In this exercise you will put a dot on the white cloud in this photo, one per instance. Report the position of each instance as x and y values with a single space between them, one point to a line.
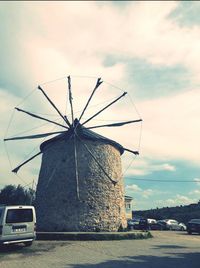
167 167
144 193
171 127
6 109
161 167
143 166
177 201
68 37
133 188
197 180
145 32
147 193
195 192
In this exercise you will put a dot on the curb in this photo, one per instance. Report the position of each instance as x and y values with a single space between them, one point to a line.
86 236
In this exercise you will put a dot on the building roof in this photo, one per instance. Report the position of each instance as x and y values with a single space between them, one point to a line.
85 134
127 197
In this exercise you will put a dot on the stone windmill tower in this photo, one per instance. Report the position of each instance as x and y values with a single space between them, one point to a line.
80 186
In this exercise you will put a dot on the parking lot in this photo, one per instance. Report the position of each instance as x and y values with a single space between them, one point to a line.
166 249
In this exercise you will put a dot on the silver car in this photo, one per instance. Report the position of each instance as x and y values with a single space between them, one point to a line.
170 224
17 225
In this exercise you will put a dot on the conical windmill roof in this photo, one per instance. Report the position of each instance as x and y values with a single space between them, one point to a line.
83 133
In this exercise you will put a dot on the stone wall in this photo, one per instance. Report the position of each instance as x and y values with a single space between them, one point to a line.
100 206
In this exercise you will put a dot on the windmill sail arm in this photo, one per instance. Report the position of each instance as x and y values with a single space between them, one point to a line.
105 108
131 151
99 82
100 166
15 170
37 136
117 124
41 118
67 121
54 106
70 98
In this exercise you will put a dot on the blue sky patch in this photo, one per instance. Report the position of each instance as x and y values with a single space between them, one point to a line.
187 13
159 190
151 81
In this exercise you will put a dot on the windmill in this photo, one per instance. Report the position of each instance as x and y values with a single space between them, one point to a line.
80 186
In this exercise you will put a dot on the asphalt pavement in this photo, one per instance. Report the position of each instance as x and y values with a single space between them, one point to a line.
167 249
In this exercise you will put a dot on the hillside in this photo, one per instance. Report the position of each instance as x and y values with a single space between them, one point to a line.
179 213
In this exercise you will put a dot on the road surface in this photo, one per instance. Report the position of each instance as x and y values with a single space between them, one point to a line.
167 249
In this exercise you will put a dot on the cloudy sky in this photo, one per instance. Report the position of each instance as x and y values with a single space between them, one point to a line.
149 49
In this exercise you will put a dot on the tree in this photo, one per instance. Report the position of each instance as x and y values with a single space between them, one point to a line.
16 195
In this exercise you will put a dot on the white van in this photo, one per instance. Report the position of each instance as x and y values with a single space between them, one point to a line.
17 225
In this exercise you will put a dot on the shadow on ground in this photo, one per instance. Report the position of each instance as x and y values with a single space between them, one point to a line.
35 249
175 260
186 234
168 246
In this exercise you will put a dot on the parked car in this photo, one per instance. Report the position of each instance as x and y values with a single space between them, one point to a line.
193 226
169 224
151 221
17 225
158 225
133 224
143 224
140 223
152 224
183 227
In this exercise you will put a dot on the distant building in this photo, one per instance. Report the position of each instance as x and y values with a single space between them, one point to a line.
128 206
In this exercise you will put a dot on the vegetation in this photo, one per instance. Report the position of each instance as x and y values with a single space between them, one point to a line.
16 195
85 236
179 213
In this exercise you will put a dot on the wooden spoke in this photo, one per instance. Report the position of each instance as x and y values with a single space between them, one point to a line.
15 170
37 136
41 118
70 99
99 82
104 108
117 124
131 151
54 106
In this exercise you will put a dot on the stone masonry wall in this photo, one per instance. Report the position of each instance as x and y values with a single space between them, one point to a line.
100 206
